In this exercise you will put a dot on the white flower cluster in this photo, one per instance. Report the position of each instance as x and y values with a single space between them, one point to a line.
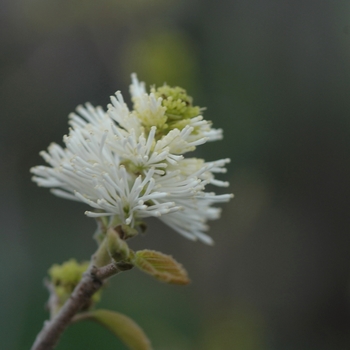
130 164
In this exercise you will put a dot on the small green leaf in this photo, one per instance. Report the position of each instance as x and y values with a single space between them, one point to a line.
123 327
160 266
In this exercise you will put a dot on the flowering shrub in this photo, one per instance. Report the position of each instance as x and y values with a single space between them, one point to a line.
127 165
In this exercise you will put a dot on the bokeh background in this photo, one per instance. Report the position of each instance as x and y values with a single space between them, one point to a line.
275 75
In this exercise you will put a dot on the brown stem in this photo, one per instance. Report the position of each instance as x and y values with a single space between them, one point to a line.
91 282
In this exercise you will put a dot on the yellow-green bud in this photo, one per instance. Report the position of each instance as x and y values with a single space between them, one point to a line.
177 102
65 277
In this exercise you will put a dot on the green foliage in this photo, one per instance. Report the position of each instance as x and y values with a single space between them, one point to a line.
161 266
123 327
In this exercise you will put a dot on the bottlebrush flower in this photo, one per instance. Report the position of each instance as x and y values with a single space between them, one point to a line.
130 164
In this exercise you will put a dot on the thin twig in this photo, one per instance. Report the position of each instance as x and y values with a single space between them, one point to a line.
90 283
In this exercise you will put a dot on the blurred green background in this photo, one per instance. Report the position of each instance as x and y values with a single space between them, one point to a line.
275 75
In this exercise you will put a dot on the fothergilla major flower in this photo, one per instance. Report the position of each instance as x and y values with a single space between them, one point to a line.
129 163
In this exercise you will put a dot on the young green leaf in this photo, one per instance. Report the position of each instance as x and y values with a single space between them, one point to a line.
161 266
123 327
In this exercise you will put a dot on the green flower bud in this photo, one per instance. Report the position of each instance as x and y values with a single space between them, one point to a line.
64 278
177 103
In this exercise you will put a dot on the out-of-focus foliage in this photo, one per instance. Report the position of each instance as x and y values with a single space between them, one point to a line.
236 328
162 55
